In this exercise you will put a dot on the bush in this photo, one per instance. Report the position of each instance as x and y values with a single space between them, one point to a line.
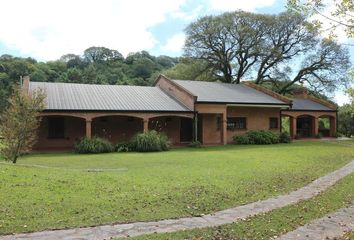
257 137
284 137
150 141
195 144
319 135
337 135
93 145
123 147
242 139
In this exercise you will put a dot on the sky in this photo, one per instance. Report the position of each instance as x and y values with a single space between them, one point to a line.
46 30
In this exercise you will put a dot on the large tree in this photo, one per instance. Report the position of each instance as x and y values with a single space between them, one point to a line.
283 50
339 13
19 123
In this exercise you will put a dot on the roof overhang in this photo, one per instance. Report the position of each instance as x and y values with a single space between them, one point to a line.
246 104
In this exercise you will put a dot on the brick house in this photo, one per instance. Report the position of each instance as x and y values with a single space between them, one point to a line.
185 110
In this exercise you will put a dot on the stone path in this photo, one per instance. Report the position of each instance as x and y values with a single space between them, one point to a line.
211 220
332 226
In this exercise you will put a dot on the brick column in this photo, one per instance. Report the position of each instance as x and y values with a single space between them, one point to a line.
224 129
88 128
146 124
315 126
293 127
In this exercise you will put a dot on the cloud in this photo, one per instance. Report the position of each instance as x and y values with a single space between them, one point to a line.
232 5
48 29
175 43
188 16
341 98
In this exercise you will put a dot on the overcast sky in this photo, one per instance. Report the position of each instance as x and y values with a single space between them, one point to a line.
48 29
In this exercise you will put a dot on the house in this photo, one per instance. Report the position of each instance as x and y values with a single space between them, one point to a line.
211 112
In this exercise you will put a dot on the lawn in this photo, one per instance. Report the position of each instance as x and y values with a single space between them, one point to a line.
277 222
54 191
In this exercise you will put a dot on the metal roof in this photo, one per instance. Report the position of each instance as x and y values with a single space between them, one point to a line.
70 96
307 104
227 93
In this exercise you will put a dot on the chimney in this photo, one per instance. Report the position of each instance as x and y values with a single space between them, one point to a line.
301 93
25 84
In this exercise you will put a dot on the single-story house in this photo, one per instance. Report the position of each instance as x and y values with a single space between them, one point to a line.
210 112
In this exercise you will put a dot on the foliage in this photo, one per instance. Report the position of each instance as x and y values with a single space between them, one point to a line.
284 137
337 135
267 48
346 120
195 144
98 65
123 147
242 139
93 145
143 187
190 69
257 137
19 123
341 16
150 141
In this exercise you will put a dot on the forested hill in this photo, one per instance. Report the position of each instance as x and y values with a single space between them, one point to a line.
97 65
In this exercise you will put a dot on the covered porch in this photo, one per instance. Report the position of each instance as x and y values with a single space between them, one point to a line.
309 124
61 130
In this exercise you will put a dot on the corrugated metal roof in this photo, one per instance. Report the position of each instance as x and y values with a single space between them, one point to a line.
70 96
226 93
306 104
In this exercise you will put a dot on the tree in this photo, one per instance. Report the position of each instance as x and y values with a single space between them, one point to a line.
101 54
19 123
342 15
282 50
190 69
346 120
230 43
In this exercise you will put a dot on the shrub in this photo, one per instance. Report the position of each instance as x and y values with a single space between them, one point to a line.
93 145
150 141
195 144
284 137
123 147
242 139
257 137
337 135
319 135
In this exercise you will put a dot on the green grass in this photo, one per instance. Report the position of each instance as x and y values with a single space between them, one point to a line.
151 186
277 222
348 236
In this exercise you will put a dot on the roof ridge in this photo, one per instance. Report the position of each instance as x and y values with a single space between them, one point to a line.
89 84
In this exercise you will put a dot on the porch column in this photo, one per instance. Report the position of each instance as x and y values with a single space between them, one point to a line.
315 126
293 127
146 124
88 128
224 129
333 126
195 127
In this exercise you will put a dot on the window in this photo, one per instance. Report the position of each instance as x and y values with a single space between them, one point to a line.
56 127
237 123
273 123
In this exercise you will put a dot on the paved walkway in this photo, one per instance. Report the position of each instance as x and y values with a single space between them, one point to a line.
332 226
211 220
